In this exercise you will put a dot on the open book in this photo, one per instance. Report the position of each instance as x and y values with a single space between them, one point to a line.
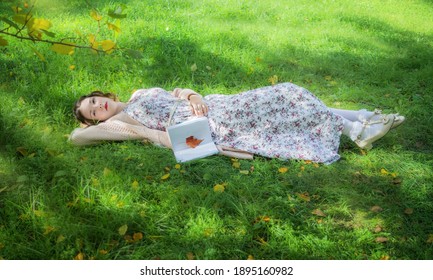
191 140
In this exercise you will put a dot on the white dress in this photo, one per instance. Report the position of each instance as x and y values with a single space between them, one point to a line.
282 121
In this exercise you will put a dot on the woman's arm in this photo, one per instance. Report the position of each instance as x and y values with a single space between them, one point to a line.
198 106
117 131
235 153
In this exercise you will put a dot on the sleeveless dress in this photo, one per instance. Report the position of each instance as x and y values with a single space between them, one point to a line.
282 121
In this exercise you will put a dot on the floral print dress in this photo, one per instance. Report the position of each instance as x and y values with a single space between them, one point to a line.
282 121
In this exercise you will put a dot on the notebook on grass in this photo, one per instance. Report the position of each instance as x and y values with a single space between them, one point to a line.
191 140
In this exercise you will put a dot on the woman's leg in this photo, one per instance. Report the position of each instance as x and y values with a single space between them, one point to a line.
365 133
353 116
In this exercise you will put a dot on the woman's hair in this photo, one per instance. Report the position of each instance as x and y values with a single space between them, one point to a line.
77 113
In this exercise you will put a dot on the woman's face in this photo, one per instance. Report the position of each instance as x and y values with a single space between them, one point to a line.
98 108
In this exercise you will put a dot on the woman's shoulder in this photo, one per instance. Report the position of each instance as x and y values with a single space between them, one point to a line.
147 91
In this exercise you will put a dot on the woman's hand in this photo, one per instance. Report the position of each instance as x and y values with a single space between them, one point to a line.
198 106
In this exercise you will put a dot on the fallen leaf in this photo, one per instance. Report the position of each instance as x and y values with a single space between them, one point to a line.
122 230
381 239
177 166
283 169
376 209
194 67
79 257
218 188
245 172
385 257
137 236
250 257
193 142
430 238
304 196
135 184
190 256
383 171
318 212
60 238
236 164
377 229
408 211
165 176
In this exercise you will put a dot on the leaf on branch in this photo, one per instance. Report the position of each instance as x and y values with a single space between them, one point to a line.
38 54
63 49
48 33
93 43
117 13
21 18
3 42
11 23
108 46
38 24
95 15
113 27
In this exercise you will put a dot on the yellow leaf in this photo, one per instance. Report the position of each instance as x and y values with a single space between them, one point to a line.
408 211
135 184
273 80
93 43
236 164
218 188
103 252
95 15
250 257
63 49
23 151
79 257
113 27
122 230
37 24
107 171
177 166
165 176
60 238
245 172
194 67
108 46
283 169
430 238
49 229
304 196
384 172
318 212
71 67
190 256
137 236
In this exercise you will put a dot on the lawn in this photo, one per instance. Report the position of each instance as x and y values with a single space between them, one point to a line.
131 200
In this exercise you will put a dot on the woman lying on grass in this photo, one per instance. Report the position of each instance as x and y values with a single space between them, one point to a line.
282 121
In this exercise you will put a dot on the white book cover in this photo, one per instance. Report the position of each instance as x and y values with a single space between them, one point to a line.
192 140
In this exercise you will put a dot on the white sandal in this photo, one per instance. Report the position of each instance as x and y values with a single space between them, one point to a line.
365 140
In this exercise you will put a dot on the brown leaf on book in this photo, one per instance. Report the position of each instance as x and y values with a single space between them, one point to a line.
193 142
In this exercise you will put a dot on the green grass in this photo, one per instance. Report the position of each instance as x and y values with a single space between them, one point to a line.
62 202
